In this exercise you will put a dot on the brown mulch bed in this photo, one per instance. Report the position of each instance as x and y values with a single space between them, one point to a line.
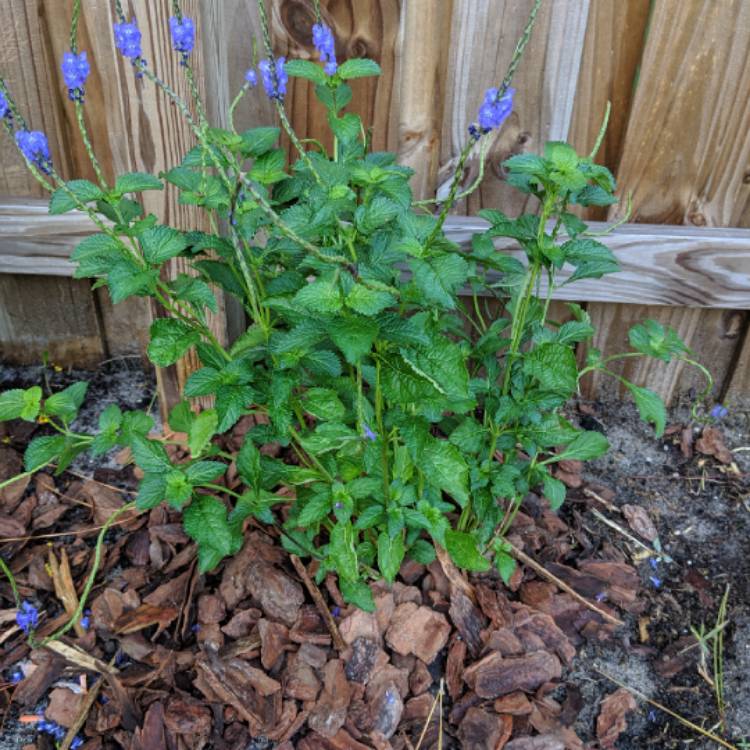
254 656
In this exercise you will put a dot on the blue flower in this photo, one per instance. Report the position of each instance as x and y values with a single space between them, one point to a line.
252 77
326 45
183 36
128 40
86 620
17 676
4 106
336 611
75 70
654 562
274 77
369 434
657 582
719 411
493 112
52 728
27 617
77 742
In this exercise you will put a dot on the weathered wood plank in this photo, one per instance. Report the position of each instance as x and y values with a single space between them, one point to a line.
50 315
683 161
661 265
483 38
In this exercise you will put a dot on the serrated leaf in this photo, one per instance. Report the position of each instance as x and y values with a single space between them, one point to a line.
358 67
506 566
322 295
341 549
136 182
315 509
422 551
323 404
202 429
653 339
269 167
650 407
42 451
201 472
177 488
162 243
257 141
150 455
585 446
66 199
554 491
368 301
439 278
206 522
554 366
445 468
248 463
170 339
357 593
464 551
306 69
66 403
20 403
151 491
390 555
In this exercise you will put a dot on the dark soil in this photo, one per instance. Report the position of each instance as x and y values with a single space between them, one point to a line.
699 504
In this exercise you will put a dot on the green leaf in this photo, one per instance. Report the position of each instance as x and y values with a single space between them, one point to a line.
343 553
358 67
43 450
181 417
554 491
322 295
195 291
506 566
162 243
151 491
445 468
135 182
376 214
78 191
201 472
439 278
354 335
150 455
585 446
422 551
316 509
306 69
256 141
390 554
554 366
650 406
357 593
202 429
464 551
111 418
207 524
653 339
177 489
248 463
170 339
20 404
324 404
96 255
269 168
368 301
346 128
66 403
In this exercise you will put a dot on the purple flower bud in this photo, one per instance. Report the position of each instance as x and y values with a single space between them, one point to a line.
75 70
336 611
654 562
339 506
369 434
601 596
86 620
326 45
17 676
657 582
252 77
274 77
719 411
183 36
34 146
27 617
493 112
77 742
128 40
4 106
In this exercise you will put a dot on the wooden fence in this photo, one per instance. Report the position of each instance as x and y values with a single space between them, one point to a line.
677 73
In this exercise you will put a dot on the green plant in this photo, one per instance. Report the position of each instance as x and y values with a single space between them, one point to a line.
409 413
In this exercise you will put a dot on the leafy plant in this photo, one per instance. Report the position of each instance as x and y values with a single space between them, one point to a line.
409 414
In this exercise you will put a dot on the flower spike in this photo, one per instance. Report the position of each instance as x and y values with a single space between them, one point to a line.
35 147
75 70
183 36
326 45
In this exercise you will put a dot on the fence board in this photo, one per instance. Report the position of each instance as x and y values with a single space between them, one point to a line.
683 161
484 34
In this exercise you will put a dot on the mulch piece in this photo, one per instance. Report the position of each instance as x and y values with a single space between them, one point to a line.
243 657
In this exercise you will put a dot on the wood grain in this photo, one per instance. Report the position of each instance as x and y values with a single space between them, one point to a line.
684 161
484 35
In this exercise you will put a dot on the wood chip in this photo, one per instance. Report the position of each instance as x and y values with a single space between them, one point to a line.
496 675
418 630
611 722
